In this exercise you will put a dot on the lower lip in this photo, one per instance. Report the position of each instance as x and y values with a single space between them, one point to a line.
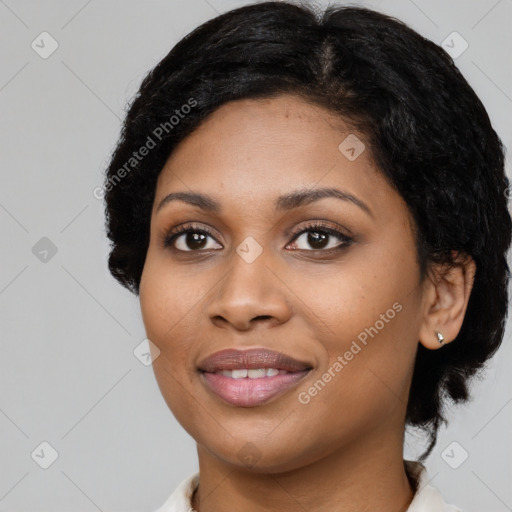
248 392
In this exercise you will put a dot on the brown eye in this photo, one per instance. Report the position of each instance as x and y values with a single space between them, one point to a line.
320 237
317 239
192 241
189 239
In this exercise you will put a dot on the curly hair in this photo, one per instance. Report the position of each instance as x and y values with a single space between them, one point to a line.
428 133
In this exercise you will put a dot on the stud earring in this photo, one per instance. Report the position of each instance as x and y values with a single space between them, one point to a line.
440 337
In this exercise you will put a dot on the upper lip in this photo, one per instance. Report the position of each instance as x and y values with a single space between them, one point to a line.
233 359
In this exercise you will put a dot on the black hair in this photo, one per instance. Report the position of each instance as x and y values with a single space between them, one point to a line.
427 131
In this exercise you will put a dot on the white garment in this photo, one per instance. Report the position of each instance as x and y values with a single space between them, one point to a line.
426 499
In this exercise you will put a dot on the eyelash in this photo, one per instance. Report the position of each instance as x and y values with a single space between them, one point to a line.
317 226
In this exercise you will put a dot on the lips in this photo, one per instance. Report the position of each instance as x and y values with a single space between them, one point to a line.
232 359
251 377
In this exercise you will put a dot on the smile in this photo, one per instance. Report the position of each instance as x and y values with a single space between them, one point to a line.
251 377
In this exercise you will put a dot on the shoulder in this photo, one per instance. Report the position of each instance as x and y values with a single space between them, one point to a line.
179 500
427 498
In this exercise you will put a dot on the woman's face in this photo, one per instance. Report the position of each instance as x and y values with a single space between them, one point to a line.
343 299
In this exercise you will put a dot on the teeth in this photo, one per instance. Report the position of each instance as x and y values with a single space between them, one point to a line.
253 373
256 374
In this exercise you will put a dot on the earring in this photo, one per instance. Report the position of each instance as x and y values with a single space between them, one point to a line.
440 337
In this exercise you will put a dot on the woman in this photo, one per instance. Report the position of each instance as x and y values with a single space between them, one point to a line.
312 208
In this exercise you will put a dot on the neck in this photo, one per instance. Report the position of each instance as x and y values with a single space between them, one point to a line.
364 477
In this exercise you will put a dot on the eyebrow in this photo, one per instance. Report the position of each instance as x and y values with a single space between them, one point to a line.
285 202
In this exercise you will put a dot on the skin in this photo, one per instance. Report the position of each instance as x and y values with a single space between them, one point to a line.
343 448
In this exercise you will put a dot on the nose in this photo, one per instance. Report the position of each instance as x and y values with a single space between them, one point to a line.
249 296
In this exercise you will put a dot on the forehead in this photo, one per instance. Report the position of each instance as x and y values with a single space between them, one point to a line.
251 151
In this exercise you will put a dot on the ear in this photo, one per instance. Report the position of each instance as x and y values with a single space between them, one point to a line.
447 291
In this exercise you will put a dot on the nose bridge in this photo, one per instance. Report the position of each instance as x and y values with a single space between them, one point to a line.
250 289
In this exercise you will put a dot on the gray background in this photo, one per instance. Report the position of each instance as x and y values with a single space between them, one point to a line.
68 373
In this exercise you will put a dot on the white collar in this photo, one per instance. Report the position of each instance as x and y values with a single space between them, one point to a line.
426 499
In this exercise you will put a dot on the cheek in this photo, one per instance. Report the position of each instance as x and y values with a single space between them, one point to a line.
168 296
167 302
170 301
368 313
366 291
